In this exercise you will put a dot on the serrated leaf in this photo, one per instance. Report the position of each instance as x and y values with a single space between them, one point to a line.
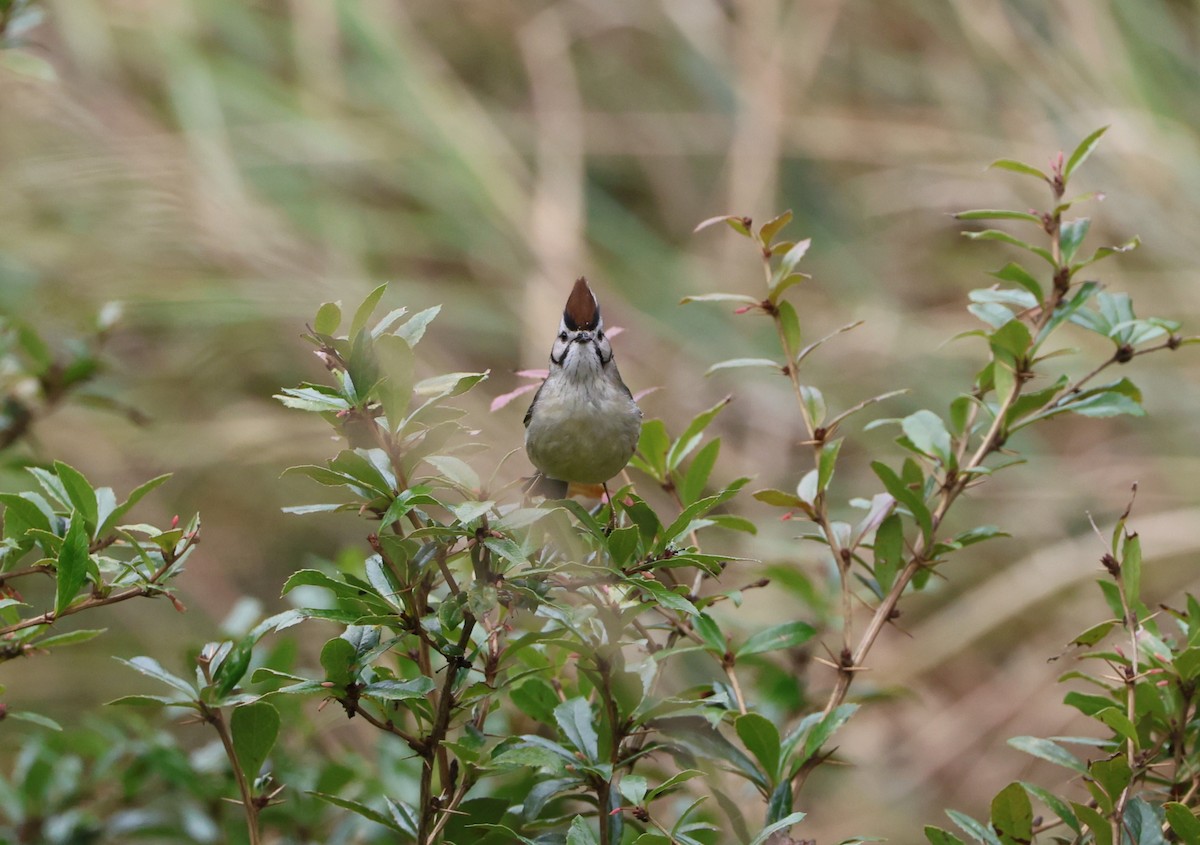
78 489
72 565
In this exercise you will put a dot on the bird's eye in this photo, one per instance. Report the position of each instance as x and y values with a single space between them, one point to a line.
562 336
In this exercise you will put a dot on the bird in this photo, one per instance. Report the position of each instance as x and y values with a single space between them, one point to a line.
583 423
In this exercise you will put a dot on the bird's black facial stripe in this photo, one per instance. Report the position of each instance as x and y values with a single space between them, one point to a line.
559 360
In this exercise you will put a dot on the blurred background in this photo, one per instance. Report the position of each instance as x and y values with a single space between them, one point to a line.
222 167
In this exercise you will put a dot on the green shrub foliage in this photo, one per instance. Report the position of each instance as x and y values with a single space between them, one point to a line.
537 676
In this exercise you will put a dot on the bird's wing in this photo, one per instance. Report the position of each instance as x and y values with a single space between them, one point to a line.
529 413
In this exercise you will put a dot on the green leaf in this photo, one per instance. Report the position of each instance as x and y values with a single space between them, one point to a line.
1048 750
580 833
1081 153
928 433
761 738
1119 722
363 314
975 829
254 728
72 565
1071 235
734 363
337 659
574 718
695 479
814 404
690 438
1096 822
79 490
1013 272
827 462
1107 251
1131 568
889 552
825 728
905 496
997 214
1112 775
329 317
360 809
150 667
768 231
70 638
783 824
634 789
664 595
1056 805
20 515
1012 338
391 690
1012 815
777 638
722 297
413 329
653 444
741 225
1005 237
109 522
791 258
1183 822
1019 167
34 718
789 322
937 836
779 498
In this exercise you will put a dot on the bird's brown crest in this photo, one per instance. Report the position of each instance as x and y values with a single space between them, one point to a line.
582 312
